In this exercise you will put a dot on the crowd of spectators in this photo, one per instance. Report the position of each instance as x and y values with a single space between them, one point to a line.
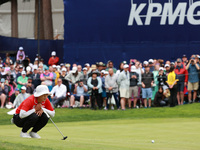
134 84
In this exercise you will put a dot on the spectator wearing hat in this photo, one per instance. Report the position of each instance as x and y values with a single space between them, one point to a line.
167 69
172 83
182 76
93 68
184 60
55 71
30 114
111 65
95 84
73 77
22 80
58 93
19 73
21 97
80 94
4 89
64 81
53 60
68 68
35 77
84 76
30 87
193 79
87 65
20 54
147 83
124 84
162 78
151 65
145 63
133 90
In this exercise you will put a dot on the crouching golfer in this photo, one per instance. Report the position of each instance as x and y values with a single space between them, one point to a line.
30 112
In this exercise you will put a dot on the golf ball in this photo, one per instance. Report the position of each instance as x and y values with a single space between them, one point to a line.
152 141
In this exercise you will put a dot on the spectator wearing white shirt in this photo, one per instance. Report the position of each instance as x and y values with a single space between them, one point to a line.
58 93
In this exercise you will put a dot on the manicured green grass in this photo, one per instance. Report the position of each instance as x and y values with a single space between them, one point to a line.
171 128
169 134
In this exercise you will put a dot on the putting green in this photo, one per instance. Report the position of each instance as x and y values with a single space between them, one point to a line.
137 134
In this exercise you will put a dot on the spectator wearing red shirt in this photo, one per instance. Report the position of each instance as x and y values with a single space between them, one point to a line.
30 112
53 60
182 75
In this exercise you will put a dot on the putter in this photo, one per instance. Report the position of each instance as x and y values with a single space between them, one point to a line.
64 137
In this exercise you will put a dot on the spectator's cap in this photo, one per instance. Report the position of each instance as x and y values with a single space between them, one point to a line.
29 78
126 66
64 69
145 63
23 88
85 68
35 67
2 80
184 56
179 60
20 54
161 68
26 56
95 72
167 65
151 61
54 66
46 69
103 71
58 67
41 59
93 67
87 65
101 64
16 89
28 68
172 63
124 62
199 56
1 65
53 53
37 55
20 67
62 64
21 48
0 58
68 65
36 59
23 72
41 90
106 72
74 69
133 69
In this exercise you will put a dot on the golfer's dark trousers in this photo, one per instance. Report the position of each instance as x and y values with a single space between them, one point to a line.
35 121
173 96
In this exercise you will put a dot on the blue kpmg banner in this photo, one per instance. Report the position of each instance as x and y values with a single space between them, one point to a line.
123 29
